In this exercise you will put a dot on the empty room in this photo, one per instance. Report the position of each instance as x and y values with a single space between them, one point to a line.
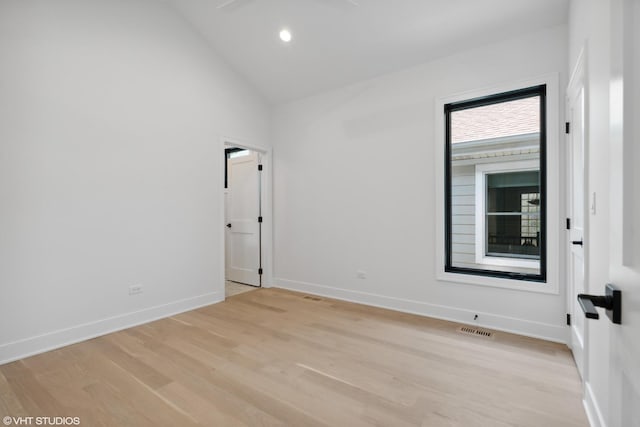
320 213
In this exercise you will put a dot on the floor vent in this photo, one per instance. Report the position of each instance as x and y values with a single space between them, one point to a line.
312 298
475 331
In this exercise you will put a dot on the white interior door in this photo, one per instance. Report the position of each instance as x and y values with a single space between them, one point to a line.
576 211
624 267
242 244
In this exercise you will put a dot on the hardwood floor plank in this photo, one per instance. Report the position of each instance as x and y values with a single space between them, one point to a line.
121 388
136 368
9 402
203 410
33 397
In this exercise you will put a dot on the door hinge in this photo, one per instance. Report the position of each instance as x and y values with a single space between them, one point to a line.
259 167
568 223
567 127
568 319
259 219
260 271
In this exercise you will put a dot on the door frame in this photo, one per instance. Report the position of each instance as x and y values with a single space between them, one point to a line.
578 76
266 184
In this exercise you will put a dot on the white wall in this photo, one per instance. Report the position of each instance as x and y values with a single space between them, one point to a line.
589 27
111 114
354 189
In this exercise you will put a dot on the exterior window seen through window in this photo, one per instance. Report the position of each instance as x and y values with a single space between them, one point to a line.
513 211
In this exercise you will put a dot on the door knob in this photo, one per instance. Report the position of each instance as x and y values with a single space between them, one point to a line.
611 301
229 225
577 242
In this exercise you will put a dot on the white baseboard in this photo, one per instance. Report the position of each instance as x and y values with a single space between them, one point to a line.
594 414
492 321
20 349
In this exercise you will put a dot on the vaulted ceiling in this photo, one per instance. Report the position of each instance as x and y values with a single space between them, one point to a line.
338 42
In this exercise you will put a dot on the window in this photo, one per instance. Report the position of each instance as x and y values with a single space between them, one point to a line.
507 229
512 224
495 185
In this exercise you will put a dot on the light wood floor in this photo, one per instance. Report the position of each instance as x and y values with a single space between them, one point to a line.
235 288
276 358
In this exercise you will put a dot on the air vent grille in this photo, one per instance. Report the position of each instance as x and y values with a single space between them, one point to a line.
468 330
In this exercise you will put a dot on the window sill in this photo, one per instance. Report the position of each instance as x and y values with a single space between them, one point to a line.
508 262
497 282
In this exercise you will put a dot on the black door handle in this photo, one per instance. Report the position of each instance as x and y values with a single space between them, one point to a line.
577 242
229 225
611 301
588 304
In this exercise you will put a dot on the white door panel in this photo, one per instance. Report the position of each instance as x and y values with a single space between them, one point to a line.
242 247
576 211
624 266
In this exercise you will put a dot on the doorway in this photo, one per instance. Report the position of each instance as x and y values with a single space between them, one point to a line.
243 219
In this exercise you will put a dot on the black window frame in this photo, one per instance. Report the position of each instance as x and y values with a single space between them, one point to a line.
538 90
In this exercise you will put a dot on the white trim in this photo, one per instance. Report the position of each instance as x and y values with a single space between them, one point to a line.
46 342
481 185
229 141
497 145
528 328
552 286
222 158
592 408
485 160
266 158
498 282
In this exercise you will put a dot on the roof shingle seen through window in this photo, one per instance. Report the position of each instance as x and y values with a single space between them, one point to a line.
503 119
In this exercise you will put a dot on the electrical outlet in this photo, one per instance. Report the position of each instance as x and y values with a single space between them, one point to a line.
135 289
361 274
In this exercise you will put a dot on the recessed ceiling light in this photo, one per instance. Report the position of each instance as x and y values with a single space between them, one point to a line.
285 35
